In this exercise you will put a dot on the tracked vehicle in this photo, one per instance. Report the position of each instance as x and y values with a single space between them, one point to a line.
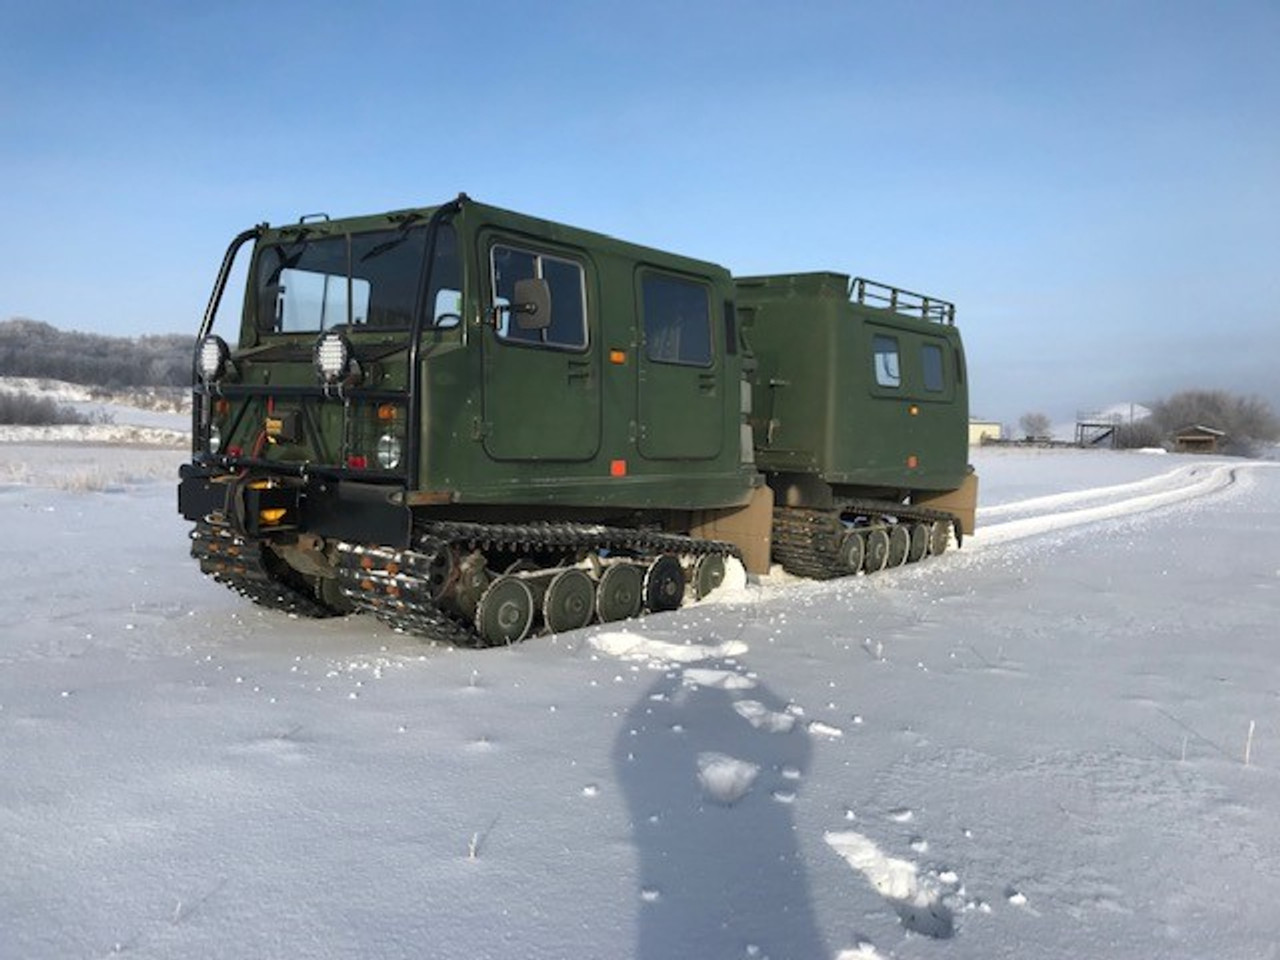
860 421
475 424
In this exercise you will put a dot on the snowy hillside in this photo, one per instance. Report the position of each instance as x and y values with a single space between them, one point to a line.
1060 741
133 416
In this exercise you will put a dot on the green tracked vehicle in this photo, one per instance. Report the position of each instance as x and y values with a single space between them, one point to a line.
860 420
475 424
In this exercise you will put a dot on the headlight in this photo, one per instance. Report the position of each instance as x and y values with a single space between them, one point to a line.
215 438
215 355
333 358
389 451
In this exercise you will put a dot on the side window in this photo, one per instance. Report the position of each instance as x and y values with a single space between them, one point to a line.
931 362
884 350
677 320
566 280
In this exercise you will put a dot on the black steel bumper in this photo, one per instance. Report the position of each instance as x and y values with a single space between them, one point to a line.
325 507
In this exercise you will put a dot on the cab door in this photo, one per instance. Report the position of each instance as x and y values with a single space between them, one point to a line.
541 383
681 374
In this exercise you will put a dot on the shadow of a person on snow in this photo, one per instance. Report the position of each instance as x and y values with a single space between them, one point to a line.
710 763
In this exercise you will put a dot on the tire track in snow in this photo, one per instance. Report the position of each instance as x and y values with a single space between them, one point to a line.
1053 502
1106 503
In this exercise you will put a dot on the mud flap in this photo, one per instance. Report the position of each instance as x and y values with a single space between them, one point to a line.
961 502
749 528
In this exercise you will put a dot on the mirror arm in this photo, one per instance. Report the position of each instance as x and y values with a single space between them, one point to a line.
497 310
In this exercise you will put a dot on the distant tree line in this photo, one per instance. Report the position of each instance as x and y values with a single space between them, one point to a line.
29 348
1246 421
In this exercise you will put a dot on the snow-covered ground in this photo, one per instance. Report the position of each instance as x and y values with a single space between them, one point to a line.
1061 741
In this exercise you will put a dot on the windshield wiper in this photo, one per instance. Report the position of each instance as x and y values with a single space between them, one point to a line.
384 246
406 221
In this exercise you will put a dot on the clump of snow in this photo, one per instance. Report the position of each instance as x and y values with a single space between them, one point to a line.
917 899
725 779
626 645
820 729
762 718
863 951
717 679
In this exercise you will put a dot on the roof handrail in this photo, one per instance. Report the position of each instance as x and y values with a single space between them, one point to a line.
872 293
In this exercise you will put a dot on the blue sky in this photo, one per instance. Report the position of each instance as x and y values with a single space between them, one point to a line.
1096 185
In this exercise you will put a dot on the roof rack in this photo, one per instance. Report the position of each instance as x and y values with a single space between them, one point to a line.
873 294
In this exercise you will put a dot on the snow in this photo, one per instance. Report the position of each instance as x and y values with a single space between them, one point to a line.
1032 746
131 417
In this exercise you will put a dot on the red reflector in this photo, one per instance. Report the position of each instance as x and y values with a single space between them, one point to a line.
358 463
234 451
618 468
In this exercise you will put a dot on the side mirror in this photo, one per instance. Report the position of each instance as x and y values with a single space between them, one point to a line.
532 304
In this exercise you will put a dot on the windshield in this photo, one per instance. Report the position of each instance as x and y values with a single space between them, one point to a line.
368 280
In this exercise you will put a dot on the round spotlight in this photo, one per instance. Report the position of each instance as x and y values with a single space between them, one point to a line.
333 358
389 451
215 438
215 356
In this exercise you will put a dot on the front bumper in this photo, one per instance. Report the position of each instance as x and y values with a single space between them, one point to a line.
265 505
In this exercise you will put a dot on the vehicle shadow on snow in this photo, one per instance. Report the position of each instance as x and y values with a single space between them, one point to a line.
709 775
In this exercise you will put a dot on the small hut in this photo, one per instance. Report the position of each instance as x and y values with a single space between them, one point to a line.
1198 438
984 431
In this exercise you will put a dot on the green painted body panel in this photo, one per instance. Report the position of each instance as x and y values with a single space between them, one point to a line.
599 424
816 405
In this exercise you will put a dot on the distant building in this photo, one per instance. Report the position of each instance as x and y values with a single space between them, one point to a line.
984 431
1198 438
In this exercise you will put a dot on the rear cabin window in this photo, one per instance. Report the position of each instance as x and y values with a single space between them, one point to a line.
677 320
566 280
931 363
884 351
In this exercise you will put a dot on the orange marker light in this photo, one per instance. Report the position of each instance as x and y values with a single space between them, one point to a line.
618 468
912 462
617 356
387 411
915 411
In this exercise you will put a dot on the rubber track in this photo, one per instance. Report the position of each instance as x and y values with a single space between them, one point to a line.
806 542
241 565
397 587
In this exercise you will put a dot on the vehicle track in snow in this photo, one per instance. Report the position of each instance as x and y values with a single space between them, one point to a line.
1002 523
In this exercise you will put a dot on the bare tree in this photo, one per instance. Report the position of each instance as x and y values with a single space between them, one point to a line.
1035 426
1138 434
